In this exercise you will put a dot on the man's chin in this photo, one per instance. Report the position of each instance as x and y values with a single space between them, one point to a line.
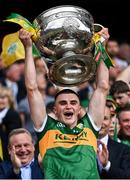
25 162
67 120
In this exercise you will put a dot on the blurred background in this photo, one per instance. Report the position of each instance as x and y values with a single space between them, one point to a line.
110 13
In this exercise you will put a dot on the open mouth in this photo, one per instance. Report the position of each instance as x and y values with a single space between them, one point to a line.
68 114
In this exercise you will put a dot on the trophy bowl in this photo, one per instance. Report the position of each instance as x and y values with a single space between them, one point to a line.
65 31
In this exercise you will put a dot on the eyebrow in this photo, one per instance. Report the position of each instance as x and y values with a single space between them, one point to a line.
64 101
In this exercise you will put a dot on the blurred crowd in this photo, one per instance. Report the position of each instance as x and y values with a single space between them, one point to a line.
115 130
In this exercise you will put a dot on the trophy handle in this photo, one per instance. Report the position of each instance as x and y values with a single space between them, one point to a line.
98 27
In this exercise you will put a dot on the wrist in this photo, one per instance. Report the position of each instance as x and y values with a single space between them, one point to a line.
28 48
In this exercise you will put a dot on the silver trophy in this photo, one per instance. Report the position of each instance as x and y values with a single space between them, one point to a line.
66 32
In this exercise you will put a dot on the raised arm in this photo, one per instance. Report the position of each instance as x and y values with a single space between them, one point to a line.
98 99
36 102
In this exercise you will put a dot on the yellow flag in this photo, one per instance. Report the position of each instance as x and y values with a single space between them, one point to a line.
12 49
1 153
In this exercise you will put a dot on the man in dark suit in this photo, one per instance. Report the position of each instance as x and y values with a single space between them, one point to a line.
113 157
23 164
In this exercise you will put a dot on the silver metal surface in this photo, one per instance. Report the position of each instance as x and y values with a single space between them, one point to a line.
66 30
72 70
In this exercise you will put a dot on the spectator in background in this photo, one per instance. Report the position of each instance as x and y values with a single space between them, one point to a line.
124 76
112 48
123 54
113 157
9 117
114 126
121 94
12 76
110 102
23 162
124 121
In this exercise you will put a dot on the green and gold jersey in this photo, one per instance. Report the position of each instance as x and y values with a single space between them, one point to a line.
69 153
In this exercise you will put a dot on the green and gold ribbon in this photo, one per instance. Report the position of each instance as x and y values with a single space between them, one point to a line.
23 22
100 52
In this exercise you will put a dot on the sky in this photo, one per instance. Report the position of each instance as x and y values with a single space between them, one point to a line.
110 13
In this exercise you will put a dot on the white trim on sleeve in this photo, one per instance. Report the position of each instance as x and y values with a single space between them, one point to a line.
42 127
93 124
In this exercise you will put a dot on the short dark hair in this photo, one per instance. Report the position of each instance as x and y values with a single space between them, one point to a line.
66 91
120 110
119 87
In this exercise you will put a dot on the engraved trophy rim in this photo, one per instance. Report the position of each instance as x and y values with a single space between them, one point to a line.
74 7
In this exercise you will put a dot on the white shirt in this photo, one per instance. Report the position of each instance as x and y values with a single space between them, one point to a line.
104 140
3 114
26 171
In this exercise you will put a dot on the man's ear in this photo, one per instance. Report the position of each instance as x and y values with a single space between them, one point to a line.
54 110
82 112
128 93
9 149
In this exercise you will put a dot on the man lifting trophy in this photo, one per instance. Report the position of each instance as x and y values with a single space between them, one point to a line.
66 36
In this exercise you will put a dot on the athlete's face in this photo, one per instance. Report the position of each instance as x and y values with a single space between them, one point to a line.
67 108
